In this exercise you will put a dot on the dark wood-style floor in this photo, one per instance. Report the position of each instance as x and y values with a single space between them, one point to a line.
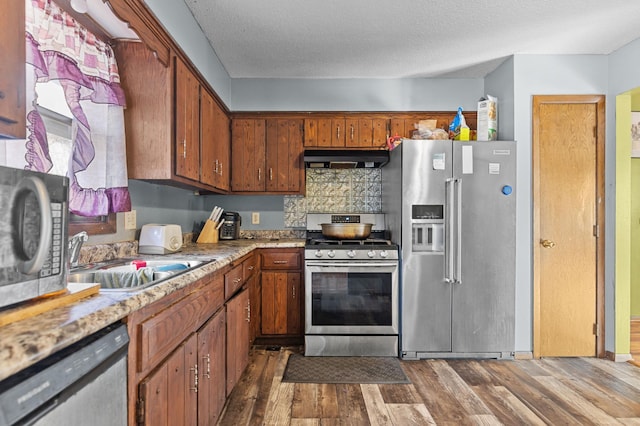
553 391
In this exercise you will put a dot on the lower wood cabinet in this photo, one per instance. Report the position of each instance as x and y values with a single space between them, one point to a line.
212 346
238 319
282 293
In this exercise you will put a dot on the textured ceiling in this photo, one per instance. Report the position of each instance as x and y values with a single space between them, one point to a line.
405 38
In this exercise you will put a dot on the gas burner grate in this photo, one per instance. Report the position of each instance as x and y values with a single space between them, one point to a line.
369 241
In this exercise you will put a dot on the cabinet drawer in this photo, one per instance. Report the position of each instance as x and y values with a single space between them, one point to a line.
249 267
281 260
233 280
162 333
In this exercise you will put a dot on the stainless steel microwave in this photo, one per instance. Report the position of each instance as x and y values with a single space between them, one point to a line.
33 234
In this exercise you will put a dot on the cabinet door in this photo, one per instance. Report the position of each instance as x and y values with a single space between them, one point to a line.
380 132
248 143
237 337
365 133
208 142
12 70
169 394
187 116
212 369
338 132
222 146
396 127
352 134
284 156
255 306
281 303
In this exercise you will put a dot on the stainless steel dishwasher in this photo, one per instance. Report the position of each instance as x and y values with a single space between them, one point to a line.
84 384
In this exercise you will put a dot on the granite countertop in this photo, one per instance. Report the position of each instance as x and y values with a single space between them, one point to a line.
25 342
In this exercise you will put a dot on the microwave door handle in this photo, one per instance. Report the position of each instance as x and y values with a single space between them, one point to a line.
35 185
458 276
448 231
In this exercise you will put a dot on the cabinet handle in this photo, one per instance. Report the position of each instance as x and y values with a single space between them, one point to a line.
248 308
259 174
338 132
270 173
220 172
280 262
195 378
184 148
293 291
352 131
237 280
250 268
207 358
216 169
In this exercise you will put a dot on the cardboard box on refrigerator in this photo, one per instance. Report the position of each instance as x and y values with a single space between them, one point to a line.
487 119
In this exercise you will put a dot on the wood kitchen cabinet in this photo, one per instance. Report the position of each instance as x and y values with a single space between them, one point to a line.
187 116
345 132
177 356
172 137
238 319
12 70
267 156
282 293
215 143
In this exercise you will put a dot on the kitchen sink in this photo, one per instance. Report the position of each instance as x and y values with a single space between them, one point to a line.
132 275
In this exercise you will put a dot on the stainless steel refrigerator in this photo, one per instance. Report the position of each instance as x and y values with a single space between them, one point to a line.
451 207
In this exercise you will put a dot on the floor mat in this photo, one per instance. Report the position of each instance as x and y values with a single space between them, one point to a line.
314 369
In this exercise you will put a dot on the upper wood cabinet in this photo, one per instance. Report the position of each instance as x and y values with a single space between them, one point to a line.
193 153
215 143
267 155
12 70
345 132
187 116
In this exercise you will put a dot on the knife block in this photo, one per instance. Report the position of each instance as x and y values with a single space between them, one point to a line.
209 233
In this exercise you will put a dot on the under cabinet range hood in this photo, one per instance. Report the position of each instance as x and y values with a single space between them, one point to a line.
345 159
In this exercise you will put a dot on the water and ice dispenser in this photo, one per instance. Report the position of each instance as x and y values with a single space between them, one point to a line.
427 228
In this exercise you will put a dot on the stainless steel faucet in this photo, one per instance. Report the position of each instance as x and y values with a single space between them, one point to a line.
75 244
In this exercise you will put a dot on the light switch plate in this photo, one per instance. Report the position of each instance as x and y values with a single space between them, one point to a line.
255 218
130 220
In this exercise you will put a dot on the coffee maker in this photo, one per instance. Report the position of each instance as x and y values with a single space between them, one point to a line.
230 229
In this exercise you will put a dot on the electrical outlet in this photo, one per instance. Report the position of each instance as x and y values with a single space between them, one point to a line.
255 218
130 220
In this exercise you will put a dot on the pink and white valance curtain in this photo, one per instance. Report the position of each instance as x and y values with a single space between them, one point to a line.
58 48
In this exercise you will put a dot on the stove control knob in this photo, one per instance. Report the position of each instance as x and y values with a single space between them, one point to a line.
371 254
331 254
384 254
318 253
351 253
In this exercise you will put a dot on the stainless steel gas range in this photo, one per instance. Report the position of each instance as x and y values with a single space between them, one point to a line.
351 290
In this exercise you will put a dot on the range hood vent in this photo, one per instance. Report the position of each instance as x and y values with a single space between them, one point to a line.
345 159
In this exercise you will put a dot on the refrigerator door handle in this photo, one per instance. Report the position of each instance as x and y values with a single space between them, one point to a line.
448 232
458 231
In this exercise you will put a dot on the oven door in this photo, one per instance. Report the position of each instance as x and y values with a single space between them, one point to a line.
351 297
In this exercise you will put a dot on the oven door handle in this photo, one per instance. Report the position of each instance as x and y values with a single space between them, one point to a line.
350 264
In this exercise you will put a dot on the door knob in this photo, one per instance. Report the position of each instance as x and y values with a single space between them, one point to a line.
547 243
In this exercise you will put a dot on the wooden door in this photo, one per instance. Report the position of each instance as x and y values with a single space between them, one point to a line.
12 71
248 142
169 394
281 303
237 338
351 136
187 115
284 153
338 132
212 369
568 190
208 160
222 145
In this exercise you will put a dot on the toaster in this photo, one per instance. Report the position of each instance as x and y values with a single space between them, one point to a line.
160 239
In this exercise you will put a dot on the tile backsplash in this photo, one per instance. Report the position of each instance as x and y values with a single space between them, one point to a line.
335 191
